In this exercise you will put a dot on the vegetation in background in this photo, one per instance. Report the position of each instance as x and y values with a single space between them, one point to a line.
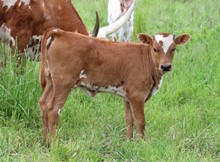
182 119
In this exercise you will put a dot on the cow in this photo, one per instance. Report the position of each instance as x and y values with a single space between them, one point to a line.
23 22
116 9
133 71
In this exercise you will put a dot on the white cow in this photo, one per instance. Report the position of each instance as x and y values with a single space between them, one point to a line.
116 9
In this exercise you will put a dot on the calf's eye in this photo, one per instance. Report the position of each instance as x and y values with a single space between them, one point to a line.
156 50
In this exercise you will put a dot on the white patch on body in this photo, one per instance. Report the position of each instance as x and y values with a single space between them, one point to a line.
167 41
19 3
5 34
114 13
82 74
88 88
8 3
59 111
47 69
39 37
43 5
112 89
88 92
33 48
26 2
157 88
46 16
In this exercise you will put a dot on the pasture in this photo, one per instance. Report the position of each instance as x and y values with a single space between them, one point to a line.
182 119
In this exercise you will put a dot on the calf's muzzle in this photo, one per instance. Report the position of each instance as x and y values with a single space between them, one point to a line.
166 67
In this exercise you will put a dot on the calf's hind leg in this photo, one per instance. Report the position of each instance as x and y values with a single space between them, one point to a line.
44 99
129 120
55 104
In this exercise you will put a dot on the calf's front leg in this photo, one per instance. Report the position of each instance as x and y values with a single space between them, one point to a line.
137 108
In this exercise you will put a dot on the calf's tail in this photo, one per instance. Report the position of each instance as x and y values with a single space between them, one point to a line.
48 38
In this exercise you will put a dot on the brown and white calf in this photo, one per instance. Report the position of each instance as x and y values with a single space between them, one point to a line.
27 20
132 71
116 9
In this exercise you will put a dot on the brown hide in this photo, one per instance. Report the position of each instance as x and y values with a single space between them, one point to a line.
35 18
104 62
2 15
59 13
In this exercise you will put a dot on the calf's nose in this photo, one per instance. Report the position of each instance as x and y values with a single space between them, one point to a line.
166 67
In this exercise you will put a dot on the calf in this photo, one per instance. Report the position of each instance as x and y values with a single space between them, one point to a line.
117 8
132 71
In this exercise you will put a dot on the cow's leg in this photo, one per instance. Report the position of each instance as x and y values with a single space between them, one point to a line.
137 107
18 52
46 96
20 63
3 57
18 58
129 120
55 105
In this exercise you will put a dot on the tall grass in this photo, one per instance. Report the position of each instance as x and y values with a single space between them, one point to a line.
182 120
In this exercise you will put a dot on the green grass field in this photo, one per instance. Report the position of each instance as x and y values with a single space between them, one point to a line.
182 120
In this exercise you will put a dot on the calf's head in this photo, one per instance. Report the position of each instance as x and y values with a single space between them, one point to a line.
162 47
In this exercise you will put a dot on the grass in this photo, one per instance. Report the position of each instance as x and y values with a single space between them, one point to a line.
183 121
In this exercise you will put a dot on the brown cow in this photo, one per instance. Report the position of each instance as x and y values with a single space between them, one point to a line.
131 70
27 20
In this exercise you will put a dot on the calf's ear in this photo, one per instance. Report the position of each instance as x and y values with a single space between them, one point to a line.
144 38
182 39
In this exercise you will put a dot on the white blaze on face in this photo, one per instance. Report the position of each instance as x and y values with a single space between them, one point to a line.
166 41
5 34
